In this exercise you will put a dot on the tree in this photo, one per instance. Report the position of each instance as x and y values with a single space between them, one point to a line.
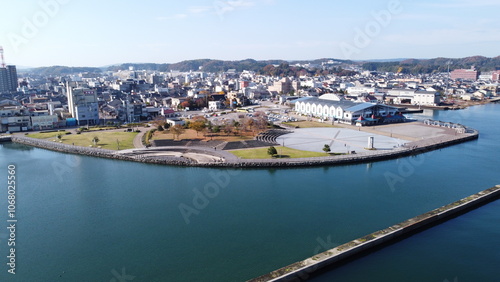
272 151
160 128
177 130
198 124
59 136
326 148
216 129
95 140
236 127
159 120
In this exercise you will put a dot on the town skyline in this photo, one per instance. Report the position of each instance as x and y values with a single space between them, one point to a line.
73 33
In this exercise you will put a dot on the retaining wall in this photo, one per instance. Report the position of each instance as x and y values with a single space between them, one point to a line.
5 139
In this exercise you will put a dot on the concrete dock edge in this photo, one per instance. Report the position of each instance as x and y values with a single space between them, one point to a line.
303 270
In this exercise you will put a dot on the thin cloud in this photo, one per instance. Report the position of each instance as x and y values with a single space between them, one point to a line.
466 4
240 3
174 17
199 9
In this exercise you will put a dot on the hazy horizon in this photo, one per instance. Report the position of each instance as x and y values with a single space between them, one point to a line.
93 33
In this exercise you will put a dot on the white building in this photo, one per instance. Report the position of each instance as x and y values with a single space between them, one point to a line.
426 98
44 122
83 105
330 106
215 105
355 90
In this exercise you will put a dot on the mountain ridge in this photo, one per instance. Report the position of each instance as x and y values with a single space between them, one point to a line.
404 65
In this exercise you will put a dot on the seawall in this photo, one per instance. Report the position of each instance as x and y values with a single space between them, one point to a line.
96 152
303 270
5 139
413 148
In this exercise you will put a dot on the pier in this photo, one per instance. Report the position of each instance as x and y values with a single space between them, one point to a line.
332 258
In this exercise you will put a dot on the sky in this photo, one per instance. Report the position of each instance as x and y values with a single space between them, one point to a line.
96 33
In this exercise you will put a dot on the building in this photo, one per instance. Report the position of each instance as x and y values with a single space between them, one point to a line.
358 90
283 86
215 105
175 121
14 118
83 105
426 98
43 122
330 107
496 76
465 74
8 79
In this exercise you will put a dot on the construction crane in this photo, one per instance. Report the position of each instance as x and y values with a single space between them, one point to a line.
1 55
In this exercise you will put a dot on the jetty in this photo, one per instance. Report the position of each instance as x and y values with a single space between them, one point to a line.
311 266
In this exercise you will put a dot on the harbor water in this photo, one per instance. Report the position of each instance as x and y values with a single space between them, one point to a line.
91 219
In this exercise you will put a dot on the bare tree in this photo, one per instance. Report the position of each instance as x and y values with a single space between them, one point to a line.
177 130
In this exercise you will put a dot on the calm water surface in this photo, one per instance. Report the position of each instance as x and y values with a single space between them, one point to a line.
91 219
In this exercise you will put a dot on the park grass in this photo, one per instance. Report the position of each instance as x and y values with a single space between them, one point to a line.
107 140
310 124
191 134
283 152
45 135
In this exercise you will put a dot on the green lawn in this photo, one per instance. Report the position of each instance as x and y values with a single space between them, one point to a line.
261 153
107 140
310 124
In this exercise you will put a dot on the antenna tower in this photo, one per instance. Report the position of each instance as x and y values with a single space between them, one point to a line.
1 55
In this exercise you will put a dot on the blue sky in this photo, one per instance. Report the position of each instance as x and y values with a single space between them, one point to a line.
98 33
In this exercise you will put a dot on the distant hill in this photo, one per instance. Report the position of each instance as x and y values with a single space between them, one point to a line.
413 66
206 65
416 66
60 70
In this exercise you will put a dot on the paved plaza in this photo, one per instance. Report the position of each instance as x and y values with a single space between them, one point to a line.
340 140
350 138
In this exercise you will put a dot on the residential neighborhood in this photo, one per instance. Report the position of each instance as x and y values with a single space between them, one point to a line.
130 95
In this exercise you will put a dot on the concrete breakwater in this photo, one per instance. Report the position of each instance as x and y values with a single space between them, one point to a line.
413 148
305 269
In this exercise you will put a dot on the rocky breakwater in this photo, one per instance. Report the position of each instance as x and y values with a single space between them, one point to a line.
225 159
95 152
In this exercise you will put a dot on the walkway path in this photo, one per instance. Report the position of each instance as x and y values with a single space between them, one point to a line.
138 137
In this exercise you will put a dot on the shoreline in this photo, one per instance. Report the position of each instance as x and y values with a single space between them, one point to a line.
219 159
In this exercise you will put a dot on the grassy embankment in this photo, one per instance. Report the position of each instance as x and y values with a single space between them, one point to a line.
107 140
283 152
